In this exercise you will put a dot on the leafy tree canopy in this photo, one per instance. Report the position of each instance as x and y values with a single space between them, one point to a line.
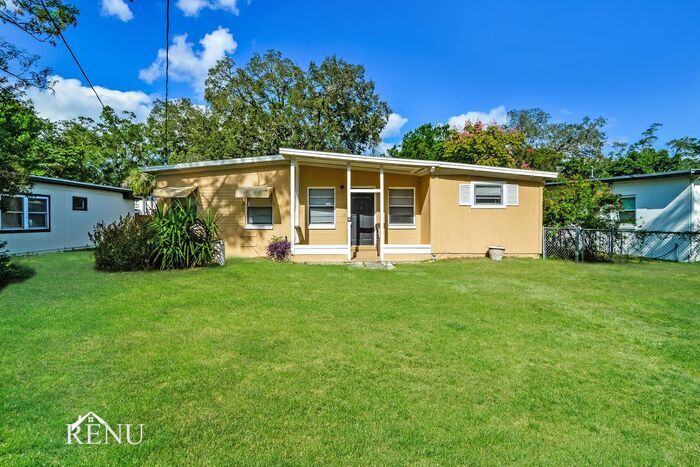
425 142
484 145
20 128
643 157
272 102
581 203
42 20
20 131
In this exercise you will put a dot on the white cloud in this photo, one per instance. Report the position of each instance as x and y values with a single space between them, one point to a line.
497 115
117 8
71 99
188 65
393 126
193 7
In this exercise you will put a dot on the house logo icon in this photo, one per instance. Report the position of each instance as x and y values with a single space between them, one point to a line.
92 429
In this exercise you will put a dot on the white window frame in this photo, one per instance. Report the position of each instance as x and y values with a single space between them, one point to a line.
25 215
260 226
388 211
308 209
488 206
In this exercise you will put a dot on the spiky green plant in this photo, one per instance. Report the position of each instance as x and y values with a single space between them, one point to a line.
182 237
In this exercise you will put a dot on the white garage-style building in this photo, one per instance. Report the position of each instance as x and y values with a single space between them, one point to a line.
58 214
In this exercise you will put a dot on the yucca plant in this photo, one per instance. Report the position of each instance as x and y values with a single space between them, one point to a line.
182 238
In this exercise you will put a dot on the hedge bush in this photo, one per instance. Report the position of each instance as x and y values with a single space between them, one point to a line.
124 245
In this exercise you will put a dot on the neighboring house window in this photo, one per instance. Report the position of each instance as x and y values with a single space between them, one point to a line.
24 213
629 210
322 208
402 207
488 194
12 213
258 213
79 203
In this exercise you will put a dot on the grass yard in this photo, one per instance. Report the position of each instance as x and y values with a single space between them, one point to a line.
469 362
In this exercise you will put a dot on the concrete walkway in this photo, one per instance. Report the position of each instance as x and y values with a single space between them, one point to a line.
373 265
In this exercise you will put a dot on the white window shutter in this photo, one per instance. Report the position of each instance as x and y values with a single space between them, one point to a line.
465 194
512 194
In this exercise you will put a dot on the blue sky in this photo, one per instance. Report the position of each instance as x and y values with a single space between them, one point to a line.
633 63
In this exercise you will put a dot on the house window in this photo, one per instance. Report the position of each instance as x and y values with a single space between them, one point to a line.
79 203
322 208
12 213
629 210
402 207
488 194
24 213
258 213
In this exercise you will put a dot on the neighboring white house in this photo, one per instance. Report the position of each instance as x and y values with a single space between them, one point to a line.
655 204
58 214
664 201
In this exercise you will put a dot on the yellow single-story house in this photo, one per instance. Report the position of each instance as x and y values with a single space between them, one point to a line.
400 209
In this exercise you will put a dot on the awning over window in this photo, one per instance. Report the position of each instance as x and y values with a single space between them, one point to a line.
174 191
254 192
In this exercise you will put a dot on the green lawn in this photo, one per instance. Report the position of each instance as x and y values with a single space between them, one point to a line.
524 361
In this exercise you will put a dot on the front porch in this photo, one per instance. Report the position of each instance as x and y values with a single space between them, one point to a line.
358 212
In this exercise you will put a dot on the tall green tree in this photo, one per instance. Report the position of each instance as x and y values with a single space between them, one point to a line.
193 133
20 141
343 112
425 142
484 145
688 148
43 20
102 151
575 149
272 102
644 157
124 145
70 149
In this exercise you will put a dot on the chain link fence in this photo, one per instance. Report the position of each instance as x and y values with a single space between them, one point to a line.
619 245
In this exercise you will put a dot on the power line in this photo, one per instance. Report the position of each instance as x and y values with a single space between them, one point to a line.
58 30
167 70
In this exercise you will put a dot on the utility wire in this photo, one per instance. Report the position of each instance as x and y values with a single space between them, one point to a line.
58 30
167 71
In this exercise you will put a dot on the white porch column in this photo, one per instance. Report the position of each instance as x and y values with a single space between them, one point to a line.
348 185
296 201
381 213
292 202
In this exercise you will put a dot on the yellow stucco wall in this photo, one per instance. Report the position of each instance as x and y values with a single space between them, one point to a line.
451 229
216 189
466 231
402 235
322 177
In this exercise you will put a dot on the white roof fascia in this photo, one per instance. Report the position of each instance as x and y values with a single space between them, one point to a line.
418 163
332 156
215 163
